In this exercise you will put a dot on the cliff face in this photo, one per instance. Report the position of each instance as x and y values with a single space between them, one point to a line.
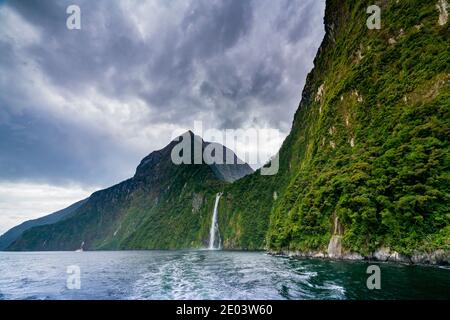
369 144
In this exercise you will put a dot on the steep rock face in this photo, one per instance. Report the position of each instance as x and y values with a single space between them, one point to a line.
335 245
371 135
442 6
369 144
163 206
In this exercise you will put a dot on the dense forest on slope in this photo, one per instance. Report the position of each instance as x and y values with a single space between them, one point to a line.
369 147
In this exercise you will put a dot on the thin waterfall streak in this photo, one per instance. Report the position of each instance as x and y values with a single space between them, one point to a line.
214 225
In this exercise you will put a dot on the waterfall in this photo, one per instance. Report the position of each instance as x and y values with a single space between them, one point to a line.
214 226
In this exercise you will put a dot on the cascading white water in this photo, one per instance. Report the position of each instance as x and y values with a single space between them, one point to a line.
214 226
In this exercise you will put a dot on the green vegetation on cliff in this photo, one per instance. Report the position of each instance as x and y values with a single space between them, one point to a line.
369 144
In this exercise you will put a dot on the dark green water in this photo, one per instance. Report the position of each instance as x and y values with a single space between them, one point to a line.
208 275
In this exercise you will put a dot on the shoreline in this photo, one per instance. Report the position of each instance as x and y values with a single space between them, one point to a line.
438 258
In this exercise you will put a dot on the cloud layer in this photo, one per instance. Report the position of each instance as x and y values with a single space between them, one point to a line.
84 106
34 201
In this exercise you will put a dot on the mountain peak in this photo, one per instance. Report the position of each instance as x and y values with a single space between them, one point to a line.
191 149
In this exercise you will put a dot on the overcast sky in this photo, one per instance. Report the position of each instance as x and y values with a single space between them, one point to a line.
80 108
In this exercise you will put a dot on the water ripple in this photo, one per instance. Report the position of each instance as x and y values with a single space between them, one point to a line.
207 275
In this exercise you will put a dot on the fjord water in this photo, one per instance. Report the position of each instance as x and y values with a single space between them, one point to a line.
207 274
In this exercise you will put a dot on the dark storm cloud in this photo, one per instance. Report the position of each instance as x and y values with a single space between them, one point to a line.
42 149
142 66
77 59
296 20
216 26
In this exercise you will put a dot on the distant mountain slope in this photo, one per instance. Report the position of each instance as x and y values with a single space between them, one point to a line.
11 235
163 206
